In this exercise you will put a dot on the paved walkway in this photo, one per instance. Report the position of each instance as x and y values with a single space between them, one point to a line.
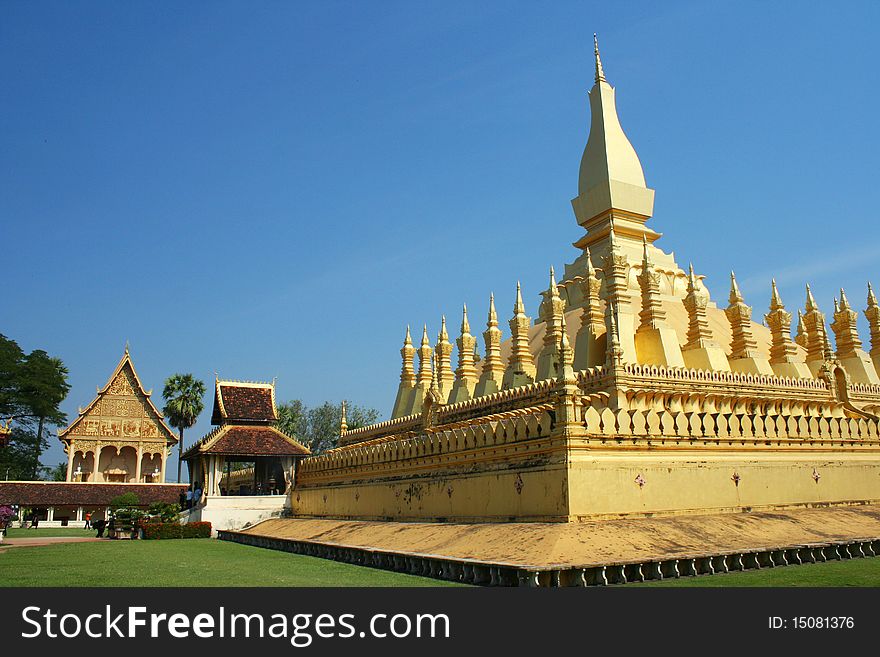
46 540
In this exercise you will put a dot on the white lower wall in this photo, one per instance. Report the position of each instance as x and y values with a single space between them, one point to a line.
236 512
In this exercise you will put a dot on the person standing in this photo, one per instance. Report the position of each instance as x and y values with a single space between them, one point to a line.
88 520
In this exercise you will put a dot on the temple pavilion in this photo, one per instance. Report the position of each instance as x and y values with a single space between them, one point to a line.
118 443
244 467
634 393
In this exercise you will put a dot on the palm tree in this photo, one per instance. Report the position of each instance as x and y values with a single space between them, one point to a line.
183 395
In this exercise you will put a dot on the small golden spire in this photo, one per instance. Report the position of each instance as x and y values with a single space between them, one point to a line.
465 325
519 308
343 423
600 73
493 316
782 349
811 302
591 271
775 299
735 295
872 314
425 359
407 341
844 302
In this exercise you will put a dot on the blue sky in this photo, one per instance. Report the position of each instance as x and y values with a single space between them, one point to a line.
276 189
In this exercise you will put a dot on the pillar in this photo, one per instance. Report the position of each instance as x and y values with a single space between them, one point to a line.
79 514
50 514
137 467
71 454
96 474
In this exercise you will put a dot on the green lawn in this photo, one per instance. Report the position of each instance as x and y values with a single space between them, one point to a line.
183 562
852 572
18 532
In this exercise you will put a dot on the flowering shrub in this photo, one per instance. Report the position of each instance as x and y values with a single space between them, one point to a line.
6 514
159 530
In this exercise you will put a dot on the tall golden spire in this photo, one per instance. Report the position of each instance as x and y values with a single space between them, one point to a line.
782 349
816 334
743 344
443 363
589 347
858 364
552 310
652 314
520 365
611 180
698 334
425 353
700 352
466 373
492 376
407 353
845 330
407 378
343 422
784 358
801 333
744 354
872 314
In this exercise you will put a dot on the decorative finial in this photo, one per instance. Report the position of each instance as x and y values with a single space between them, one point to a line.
600 73
554 290
591 272
692 280
465 325
126 347
426 341
519 307
407 341
844 302
775 299
444 336
343 424
493 316
735 295
811 302
872 300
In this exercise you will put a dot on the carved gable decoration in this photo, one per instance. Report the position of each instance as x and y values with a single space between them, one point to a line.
122 411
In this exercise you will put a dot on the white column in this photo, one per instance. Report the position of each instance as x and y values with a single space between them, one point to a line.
212 472
162 464
137 467
51 515
79 514
70 456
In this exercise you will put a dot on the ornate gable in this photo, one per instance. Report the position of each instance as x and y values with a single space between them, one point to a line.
122 411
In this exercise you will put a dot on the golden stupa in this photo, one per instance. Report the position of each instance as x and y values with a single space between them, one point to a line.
634 394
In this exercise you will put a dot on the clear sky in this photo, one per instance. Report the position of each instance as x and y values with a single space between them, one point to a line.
276 189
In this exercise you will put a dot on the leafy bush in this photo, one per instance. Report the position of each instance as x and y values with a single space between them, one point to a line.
164 512
160 530
123 501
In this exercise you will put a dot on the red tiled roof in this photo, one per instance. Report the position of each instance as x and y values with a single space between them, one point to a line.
250 441
53 493
243 402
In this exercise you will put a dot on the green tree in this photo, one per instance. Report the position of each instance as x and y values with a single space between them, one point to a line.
318 427
184 395
58 473
32 388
